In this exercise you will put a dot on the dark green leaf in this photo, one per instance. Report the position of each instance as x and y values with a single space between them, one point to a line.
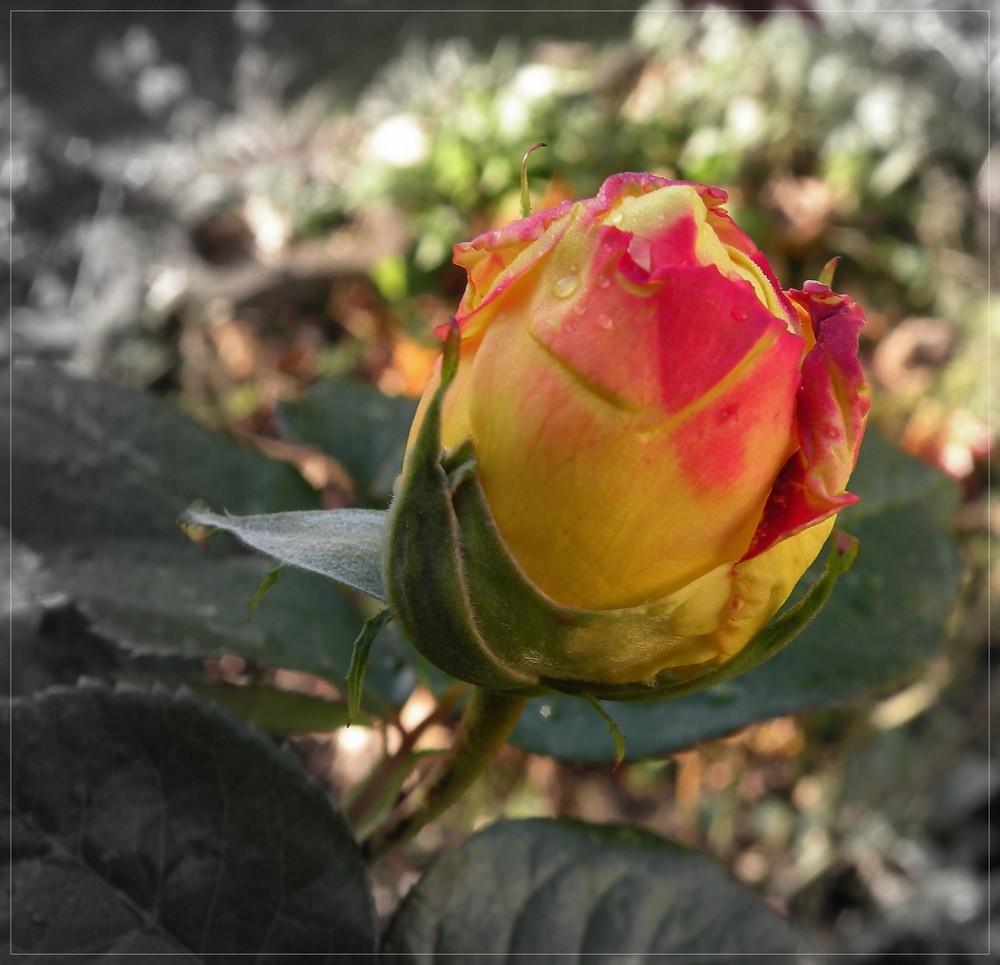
361 427
147 822
92 461
185 600
881 623
99 501
563 888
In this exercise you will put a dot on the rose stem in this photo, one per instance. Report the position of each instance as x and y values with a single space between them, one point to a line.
357 810
488 719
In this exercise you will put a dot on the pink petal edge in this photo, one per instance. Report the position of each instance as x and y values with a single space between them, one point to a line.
831 411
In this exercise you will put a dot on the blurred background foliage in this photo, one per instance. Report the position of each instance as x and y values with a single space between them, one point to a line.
232 209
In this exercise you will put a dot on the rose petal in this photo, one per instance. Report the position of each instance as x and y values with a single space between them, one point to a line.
668 343
493 259
832 407
724 609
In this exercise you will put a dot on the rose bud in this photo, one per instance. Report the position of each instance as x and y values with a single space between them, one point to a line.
636 447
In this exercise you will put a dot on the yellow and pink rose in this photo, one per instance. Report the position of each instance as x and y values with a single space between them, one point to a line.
656 425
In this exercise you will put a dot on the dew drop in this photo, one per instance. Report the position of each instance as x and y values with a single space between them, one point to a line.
603 281
606 322
740 314
616 217
566 286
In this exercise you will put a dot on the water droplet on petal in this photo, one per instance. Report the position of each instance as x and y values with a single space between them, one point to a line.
566 286
603 281
616 217
740 314
606 322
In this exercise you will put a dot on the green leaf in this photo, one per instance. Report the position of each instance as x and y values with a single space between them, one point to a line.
146 822
117 464
167 600
99 502
361 427
564 888
342 544
883 620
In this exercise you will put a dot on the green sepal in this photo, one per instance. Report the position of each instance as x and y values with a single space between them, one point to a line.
359 661
467 606
342 544
424 572
616 735
262 590
669 684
